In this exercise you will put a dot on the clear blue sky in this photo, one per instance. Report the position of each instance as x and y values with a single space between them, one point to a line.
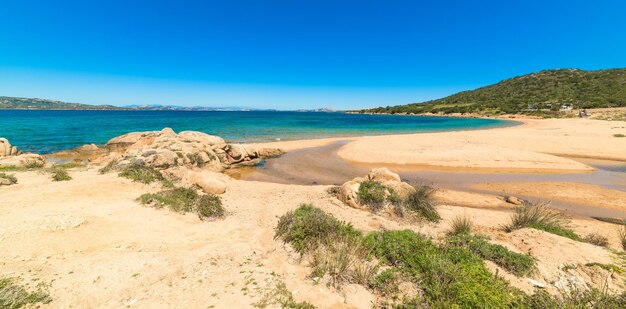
294 54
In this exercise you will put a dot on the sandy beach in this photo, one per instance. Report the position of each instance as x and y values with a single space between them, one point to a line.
92 245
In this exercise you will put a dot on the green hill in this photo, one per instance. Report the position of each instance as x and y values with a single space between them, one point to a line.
541 93
29 103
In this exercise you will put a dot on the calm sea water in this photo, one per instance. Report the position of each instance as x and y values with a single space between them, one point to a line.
50 131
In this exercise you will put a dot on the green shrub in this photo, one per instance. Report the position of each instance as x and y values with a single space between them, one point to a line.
597 240
372 194
209 206
59 174
517 263
33 164
592 299
184 200
141 173
13 296
422 203
11 179
195 159
386 282
343 259
308 227
619 135
461 225
108 167
540 217
450 277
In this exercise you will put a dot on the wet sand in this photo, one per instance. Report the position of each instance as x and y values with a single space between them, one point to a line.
322 165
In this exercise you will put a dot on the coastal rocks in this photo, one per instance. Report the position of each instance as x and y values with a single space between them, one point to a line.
192 158
209 182
29 160
164 149
6 149
391 182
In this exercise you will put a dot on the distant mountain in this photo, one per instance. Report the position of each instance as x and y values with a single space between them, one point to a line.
542 93
317 110
34 103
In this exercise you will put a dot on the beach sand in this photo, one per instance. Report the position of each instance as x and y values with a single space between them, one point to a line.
94 246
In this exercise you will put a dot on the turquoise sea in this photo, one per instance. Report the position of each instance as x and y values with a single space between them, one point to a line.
49 131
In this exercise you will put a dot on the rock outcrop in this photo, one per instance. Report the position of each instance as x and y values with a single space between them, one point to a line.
348 192
165 149
190 157
6 149
28 160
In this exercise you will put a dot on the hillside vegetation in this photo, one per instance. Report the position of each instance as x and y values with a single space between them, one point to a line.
542 93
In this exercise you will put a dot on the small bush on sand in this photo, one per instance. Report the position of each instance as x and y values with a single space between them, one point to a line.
9 179
372 194
108 167
422 203
209 206
593 299
33 164
13 296
619 135
461 224
385 282
621 232
517 263
308 227
281 297
597 239
449 276
184 200
539 216
59 174
343 259
334 247
141 173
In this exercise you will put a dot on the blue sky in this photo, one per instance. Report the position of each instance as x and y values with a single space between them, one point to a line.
294 54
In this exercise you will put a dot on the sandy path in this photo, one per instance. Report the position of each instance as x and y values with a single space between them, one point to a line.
536 145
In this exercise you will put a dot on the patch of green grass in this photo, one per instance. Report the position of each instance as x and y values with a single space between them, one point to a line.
609 267
386 282
13 296
449 276
141 173
281 297
69 165
422 203
517 263
461 224
112 165
597 240
592 299
540 217
619 135
184 200
11 179
209 206
372 194
308 227
59 174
